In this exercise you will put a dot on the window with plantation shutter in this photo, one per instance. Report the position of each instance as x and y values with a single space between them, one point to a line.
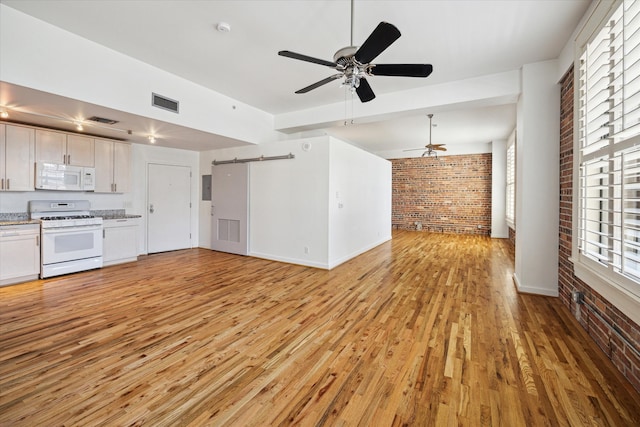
608 129
511 181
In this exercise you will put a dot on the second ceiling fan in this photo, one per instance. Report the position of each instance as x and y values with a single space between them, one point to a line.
353 63
430 148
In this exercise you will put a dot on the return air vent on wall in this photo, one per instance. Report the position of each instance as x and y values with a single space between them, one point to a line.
102 120
164 102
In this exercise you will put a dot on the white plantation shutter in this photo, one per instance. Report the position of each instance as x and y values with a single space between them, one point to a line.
609 148
511 181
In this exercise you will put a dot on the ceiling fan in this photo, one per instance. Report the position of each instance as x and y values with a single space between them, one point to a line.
430 148
353 63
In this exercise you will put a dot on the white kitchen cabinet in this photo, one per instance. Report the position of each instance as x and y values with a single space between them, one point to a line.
63 148
16 158
80 150
113 166
120 240
19 253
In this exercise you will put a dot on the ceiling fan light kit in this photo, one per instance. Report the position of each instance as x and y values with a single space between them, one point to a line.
353 63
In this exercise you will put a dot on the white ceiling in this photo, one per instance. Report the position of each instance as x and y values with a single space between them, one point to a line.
462 39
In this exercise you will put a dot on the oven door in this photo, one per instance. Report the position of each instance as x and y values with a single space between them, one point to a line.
71 243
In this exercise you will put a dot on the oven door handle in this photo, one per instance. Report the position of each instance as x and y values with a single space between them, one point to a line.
58 230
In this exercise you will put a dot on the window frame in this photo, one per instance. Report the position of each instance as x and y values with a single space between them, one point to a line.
609 284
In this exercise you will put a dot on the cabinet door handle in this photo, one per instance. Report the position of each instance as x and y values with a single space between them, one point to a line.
37 240
8 183
151 209
115 187
2 184
103 235
68 159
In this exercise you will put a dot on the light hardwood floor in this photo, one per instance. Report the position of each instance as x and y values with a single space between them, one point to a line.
425 330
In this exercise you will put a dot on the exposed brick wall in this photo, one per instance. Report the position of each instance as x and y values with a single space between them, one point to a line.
512 238
598 316
451 194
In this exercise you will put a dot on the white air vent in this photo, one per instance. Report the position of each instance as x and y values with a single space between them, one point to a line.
164 102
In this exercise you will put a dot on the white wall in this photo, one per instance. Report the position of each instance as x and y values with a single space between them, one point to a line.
537 177
359 201
17 201
294 216
142 156
287 200
288 205
41 56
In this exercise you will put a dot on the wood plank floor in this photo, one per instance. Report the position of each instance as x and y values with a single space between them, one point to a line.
425 330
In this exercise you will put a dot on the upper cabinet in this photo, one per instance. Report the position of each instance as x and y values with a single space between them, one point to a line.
22 146
62 148
16 158
80 150
113 166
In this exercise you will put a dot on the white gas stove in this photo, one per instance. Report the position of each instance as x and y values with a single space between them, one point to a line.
71 236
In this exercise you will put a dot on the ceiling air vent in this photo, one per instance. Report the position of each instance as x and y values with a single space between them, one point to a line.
164 102
102 120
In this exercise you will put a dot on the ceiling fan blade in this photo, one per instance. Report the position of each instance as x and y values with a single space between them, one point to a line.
320 83
414 149
380 39
364 91
440 148
402 70
306 58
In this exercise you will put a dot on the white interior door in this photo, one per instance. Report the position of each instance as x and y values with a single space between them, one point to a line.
169 208
230 208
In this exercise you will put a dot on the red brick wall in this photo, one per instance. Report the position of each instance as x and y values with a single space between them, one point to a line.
512 238
604 323
451 194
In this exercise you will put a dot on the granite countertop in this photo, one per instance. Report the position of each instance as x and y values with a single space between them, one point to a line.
113 214
16 218
124 216
5 222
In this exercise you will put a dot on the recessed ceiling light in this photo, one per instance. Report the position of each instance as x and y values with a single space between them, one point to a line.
79 126
152 139
4 114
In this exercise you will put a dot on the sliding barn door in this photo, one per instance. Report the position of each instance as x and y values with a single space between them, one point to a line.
230 208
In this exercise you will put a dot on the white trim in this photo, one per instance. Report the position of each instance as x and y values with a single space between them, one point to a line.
543 290
288 260
337 262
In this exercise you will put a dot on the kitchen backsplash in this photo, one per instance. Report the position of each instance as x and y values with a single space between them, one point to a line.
14 216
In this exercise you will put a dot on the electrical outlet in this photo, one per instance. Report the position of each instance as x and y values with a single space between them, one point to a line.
577 296
306 250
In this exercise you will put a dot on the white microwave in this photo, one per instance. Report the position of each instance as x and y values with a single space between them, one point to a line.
55 176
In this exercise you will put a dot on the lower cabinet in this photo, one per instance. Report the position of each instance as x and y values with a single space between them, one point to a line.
120 240
19 253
